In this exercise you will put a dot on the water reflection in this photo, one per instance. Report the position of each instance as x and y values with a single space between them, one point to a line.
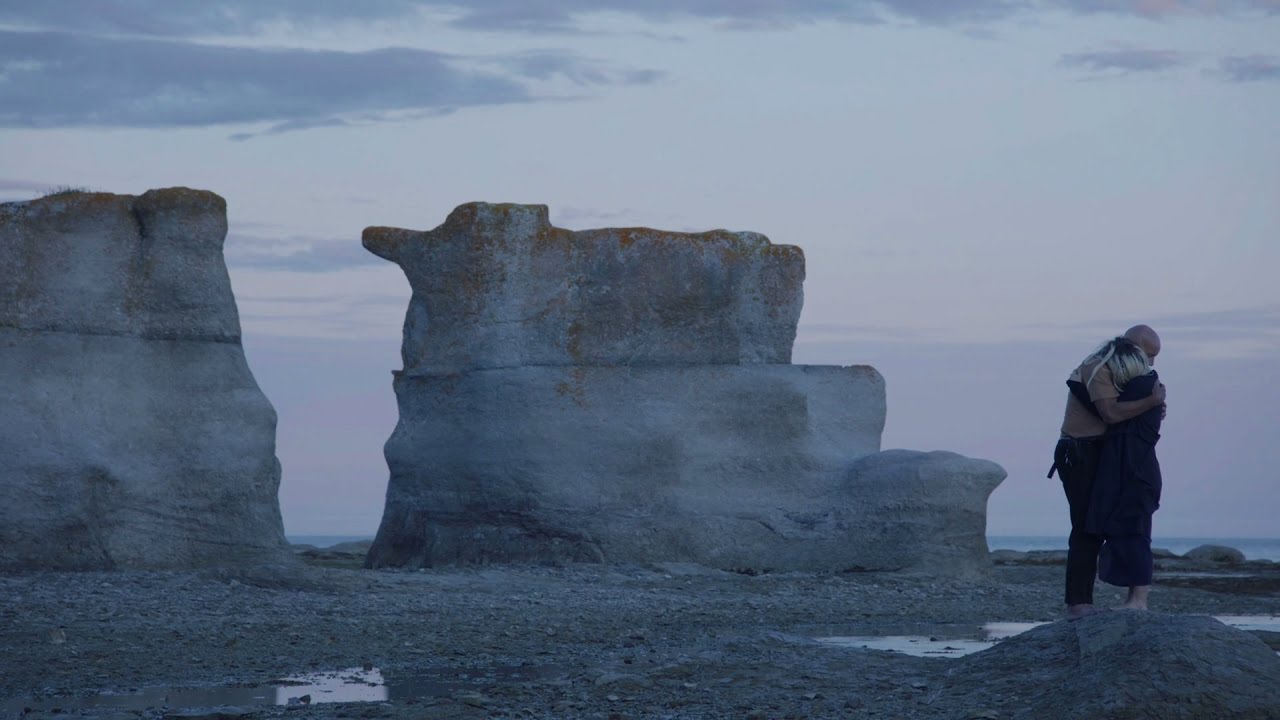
950 640
349 685
936 640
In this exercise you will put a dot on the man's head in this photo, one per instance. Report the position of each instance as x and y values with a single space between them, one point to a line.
1146 338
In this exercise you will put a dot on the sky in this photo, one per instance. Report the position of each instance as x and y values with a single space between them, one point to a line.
984 190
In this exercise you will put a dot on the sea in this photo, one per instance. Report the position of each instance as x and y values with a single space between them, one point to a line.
1253 548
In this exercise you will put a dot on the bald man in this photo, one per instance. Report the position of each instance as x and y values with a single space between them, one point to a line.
1092 405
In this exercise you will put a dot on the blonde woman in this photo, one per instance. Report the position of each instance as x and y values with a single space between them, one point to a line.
1127 484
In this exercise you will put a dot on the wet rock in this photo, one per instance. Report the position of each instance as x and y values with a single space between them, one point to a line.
622 680
1215 554
226 712
1122 664
1272 639
132 430
475 700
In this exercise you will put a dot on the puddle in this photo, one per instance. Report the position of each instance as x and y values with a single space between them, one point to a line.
1160 575
932 640
958 640
350 685
1269 623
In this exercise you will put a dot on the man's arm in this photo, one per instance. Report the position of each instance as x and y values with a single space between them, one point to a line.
1114 411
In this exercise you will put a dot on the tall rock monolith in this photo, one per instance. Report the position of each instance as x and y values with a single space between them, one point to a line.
626 395
133 434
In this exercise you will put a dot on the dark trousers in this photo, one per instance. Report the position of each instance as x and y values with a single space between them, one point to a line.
1076 460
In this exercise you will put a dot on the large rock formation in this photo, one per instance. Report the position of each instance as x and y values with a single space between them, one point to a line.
132 432
625 395
1121 665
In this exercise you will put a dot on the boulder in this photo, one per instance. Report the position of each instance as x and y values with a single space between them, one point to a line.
926 510
1215 554
1008 557
133 432
624 395
1122 664
498 286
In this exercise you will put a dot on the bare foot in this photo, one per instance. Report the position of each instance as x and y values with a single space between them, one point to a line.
1137 599
1075 612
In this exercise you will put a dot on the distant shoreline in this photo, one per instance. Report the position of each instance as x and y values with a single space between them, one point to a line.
1253 548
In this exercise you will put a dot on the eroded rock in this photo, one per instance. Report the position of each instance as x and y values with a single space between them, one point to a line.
625 395
132 431
498 286
735 467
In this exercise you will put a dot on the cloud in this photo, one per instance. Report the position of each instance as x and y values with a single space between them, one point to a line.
165 18
211 18
1251 68
1125 61
559 64
60 80
295 253
813 333
1236 333
1160 9
53 79
29 187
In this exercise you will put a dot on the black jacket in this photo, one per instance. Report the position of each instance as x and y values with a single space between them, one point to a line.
1126 489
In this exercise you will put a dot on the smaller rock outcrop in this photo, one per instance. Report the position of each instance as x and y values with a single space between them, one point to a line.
1215 554
905 495
1122 665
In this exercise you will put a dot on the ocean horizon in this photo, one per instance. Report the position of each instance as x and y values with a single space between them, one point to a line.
1253 548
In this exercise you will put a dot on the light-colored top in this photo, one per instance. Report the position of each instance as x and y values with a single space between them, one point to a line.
1079 421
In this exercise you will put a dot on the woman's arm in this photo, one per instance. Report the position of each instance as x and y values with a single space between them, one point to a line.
1113 410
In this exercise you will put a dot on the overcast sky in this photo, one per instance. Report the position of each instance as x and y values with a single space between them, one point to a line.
984 190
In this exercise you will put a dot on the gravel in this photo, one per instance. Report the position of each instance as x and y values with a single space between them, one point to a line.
589 641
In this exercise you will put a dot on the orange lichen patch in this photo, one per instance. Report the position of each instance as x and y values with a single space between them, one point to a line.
175 197
574 342
552 235
79 200
385 242
474 213
784 251
183 197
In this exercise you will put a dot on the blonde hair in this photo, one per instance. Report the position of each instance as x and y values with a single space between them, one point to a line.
1123 357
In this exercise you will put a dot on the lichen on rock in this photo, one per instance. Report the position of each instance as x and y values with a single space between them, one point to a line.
626 394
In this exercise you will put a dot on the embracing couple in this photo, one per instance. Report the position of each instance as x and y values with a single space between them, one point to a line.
1106 460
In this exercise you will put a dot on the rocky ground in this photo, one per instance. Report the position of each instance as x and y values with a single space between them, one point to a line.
586 641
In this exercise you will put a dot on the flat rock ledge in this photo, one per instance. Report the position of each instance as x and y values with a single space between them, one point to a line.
1122 665
132 431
